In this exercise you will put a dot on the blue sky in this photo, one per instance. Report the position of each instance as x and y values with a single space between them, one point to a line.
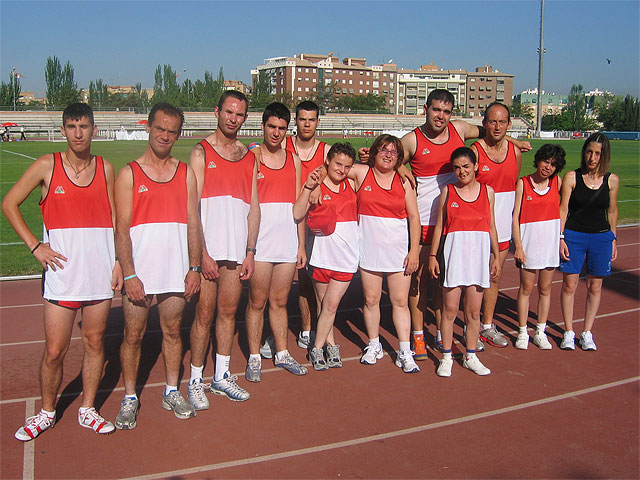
122 42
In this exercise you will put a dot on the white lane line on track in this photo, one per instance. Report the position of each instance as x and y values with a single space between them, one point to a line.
28 459
387 435
271 370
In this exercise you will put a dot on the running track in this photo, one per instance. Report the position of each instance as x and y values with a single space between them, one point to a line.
540 414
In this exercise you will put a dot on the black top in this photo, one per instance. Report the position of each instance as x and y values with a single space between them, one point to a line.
587 215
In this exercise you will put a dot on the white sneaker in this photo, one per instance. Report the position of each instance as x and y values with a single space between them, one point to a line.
568 340
197 396
541 341
586 341
372 353
522 342
475 365
268 350
405 361
444 369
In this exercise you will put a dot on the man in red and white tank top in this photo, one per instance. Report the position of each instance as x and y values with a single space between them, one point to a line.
159 247
278 249
226 173
78 258
312 153
499 162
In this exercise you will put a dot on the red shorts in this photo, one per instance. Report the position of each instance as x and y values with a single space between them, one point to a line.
323 275
75 305
502 246
426 234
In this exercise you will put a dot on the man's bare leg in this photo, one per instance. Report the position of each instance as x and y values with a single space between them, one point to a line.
201 327
94 324
281 279
259 286
170 310
135 324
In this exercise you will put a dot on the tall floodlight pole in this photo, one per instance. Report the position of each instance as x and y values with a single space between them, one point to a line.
541 52
13 87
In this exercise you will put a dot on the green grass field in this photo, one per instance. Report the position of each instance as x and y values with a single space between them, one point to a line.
15 157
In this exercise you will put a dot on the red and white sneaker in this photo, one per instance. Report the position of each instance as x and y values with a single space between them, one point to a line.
92 419
35 426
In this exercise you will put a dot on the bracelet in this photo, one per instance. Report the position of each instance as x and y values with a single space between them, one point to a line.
432 255
36 247
252 250
130 277
197 269
561 236
308 188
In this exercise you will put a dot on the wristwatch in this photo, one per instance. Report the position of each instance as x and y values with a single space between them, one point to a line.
252 250
197 269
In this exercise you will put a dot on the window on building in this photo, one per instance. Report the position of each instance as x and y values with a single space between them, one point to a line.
351 90
489 97
350 82
488 88
351 72
360 91
299 70
306 70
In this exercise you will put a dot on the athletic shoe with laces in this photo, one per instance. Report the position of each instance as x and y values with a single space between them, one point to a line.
34 426
493 337
333 356
306 342
522 342
228 387
92 419
197 395
372 353
268 350
419 348
126 419
176 402
475 365
479 344
290 364
438 346
568 340
586 341
316 357
405 361
253 373
444 368
541 341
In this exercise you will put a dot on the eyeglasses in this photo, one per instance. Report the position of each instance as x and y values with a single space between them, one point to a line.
388 153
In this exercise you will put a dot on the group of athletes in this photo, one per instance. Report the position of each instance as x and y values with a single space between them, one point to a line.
293 207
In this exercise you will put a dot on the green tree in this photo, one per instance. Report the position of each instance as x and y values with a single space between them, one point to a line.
10 92
61 87
165 87
261 96
98 94
575 112
361 103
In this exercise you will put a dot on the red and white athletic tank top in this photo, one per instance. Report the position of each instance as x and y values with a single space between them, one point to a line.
339 251
158 231
278 234
77 223
432 169
382 223
502 177
307 165
540 225
472 216
224 206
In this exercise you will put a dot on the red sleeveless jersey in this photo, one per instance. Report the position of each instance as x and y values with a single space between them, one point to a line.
376 201
472 216
307 165
502 177
68 205
538 207
225 178
278 185
431 158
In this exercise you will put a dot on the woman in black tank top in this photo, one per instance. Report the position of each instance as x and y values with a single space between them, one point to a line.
589 217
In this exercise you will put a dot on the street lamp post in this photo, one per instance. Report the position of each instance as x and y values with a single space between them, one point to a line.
541 52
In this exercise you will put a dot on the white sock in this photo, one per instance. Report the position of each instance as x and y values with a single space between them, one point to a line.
438 336
404 346
374 341
418 332
305 333
485 327
523 329
470 355
169 388
447 355
133 396
196 373
48 414
222 366
541 327
255 356
84 409
280 355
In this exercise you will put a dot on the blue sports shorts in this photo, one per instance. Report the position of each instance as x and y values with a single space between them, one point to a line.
596 248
